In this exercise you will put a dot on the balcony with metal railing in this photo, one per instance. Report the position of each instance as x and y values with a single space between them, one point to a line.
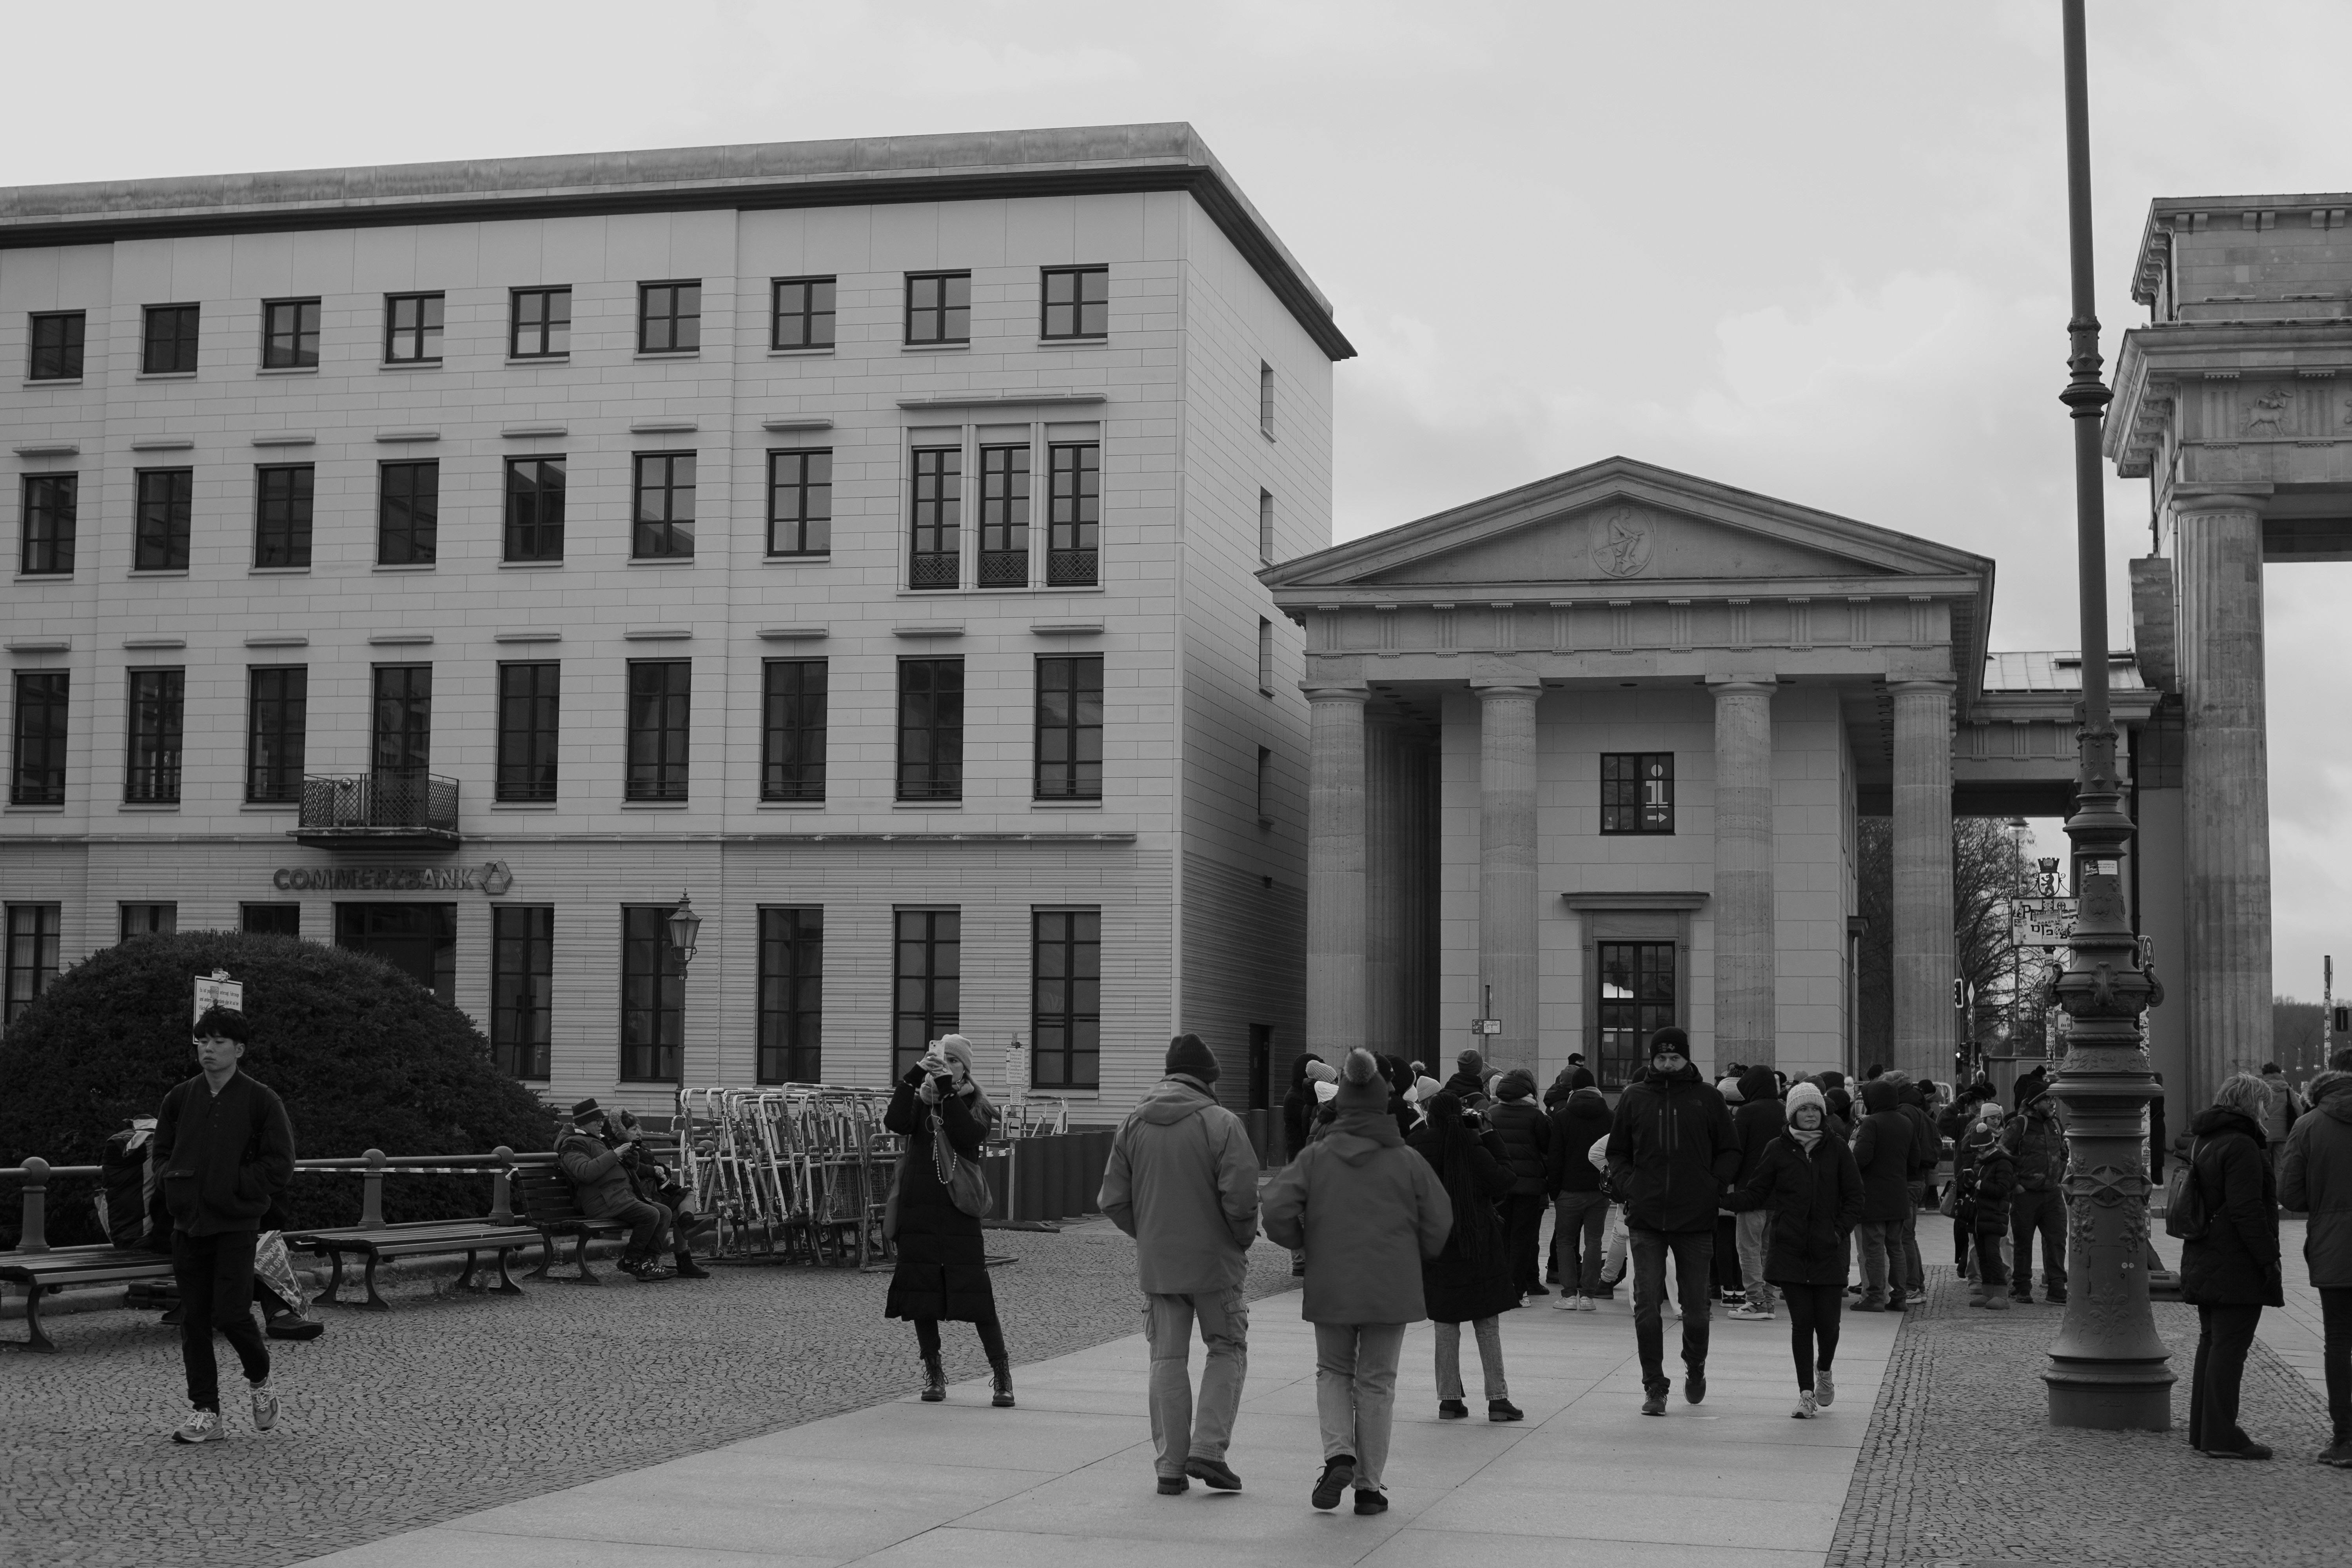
408 809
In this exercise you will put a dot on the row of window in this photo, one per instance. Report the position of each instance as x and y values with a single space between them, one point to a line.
662 515
1067 731
927 971
1074 303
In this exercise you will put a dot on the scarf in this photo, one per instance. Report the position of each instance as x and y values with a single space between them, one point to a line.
1804 1138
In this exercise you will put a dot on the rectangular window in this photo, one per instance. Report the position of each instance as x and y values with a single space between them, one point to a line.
659 699
522 987
37 761
400 738
281 514
1266 526
407 514
412 329
418 940
1266 397
289 334
167 345
145 920
164 504
269 919
792 995
534 509
276 719
46 536
1636 1000
1005 517
931 729
664 505
1265 657
1266 786
939 307
33 932
800 503
1077 303
1065 1009
1072 550
529 709
539 323
670 317
653 996
929 969
57 345
1637 792
938 519
1070 726
792 729
151 763
803 314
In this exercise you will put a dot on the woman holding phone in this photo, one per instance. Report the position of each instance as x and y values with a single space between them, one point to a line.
942 1272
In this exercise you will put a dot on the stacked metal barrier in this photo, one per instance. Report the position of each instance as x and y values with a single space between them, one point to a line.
795 1172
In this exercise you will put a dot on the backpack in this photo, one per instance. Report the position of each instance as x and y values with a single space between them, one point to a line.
127 1183
2185 1218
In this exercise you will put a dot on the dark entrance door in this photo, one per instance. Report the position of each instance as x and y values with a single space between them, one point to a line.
418 940
1637 999
401 753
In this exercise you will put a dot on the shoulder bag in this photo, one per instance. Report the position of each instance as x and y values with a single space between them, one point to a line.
967 1187
2185 1218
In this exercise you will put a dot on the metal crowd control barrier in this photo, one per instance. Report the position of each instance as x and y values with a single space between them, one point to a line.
793 1173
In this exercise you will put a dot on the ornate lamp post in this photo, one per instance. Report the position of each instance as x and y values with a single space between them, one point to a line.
685 925
2108 1368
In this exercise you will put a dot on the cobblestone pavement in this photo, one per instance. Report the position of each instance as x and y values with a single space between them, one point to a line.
451 1404
1960 1465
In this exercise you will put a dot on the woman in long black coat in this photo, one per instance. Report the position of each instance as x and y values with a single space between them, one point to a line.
2231 1271
1470 1280
942 1272
1809 1185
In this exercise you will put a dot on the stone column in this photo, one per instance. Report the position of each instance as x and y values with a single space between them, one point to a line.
1335 870
1506 867
1925 1028
1745 956
2225 789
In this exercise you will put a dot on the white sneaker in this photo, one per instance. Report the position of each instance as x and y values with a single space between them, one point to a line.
1587 1304
1806 1409
201 1427
1751 1314
1565 1303
264 1407
1825 1388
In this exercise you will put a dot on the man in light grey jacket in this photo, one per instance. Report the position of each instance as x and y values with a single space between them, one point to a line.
1182 1181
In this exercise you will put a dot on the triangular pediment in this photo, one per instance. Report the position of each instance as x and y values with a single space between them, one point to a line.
1621 522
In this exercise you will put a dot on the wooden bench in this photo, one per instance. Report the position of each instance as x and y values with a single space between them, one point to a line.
551 1205
424 1238
42 1273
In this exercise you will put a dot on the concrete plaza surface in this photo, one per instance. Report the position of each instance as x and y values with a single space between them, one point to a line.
1067 1477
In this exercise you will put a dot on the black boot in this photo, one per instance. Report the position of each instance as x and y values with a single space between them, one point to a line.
687 1268
935 1381
1003 1396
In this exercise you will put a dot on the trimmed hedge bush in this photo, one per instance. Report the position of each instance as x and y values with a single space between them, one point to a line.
363 1057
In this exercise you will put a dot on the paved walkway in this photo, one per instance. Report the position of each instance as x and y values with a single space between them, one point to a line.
1070 1474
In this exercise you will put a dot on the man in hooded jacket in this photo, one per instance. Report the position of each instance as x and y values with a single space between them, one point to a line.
1673 1150
2315 1175
1182 1181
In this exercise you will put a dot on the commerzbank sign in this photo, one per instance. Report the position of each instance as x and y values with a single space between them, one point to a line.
490 878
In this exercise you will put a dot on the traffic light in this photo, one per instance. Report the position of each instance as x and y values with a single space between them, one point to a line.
2343 1018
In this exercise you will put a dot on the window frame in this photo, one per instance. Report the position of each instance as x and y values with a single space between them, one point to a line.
540 528
70 349
1080 947
1264 526
246 914
283 347
1636 815
153 734
1006 483
157 919
46 527
187 323
400 724
672 318
423 333
546 326
803 735
1646 1010
40 735
940 735
808 315
1074 515
161 543
520 1031
528 768
654 991
943 310
1265 399
32 958
1265 657
789 1022
806 489
672 529
921 927
421 535
659 776
284 543
1066 778
284 723
1076 305
936 512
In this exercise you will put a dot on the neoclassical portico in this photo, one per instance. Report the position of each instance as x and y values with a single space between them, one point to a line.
1636 714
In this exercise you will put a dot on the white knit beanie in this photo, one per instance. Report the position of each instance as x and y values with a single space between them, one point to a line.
1801 1094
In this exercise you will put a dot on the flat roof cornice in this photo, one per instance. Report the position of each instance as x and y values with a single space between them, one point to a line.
1073 161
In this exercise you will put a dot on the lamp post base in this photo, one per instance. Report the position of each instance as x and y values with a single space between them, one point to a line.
2109 1395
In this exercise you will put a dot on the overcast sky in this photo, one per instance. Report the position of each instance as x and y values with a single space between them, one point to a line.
1813 249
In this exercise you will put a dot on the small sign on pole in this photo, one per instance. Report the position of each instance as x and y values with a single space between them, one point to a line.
217 990
2045 924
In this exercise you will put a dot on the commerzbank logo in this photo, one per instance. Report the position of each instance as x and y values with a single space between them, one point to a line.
491 878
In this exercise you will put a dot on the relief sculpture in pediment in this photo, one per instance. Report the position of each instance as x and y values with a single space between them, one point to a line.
2266 414
1623 539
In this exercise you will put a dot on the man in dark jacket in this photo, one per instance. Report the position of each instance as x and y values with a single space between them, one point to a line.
226 1151
2231 1270
2316 1177
2038 1142
1526 1134
1881 1153
1673 1150
597 1175
1927 1153
1580 1207
1758 1120
1468 1083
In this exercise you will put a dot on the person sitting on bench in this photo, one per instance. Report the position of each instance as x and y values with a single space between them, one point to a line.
597 1174
657 1184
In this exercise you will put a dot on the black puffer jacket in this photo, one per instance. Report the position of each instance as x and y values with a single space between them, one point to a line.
941 1272
1761 1117
2236 1262
1882 1151
1673 1150
1994 1174
1813 1201
1576 1127
1456 1289
1524 1129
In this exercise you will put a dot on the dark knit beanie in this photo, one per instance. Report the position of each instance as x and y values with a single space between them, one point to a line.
1517 1084
1470 1061
1361 1084
1670 1038
1188 1055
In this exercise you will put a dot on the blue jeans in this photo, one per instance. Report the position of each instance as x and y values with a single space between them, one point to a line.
2043 1213
1582 1219
1694 1253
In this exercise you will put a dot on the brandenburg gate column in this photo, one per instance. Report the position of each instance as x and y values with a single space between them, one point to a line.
1925 1028
1335 869
2225 787
1506 865
1745 956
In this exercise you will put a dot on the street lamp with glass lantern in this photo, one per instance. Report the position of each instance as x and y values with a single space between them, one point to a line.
684 925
